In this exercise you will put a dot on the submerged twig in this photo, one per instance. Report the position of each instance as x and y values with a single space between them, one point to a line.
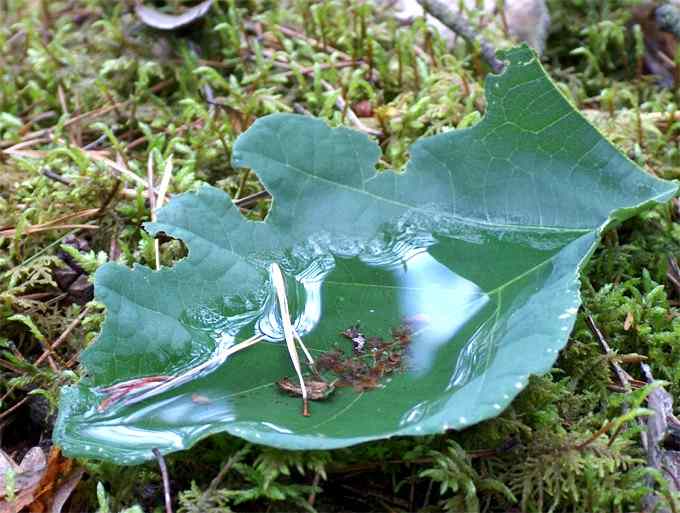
148 386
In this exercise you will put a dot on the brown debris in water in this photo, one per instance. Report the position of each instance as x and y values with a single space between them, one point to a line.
317 389
369 362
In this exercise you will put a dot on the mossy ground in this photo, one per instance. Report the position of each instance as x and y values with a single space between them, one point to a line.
99 84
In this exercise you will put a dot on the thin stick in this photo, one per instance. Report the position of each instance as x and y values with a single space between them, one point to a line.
461 26
165 183
242 345
121 168
315 483
63 336
242 183
68 217
14 407
56 177
166 480
152 207
251 199
288 331
620 373
26 144
304 348
673 273
35 229
88 115
233 459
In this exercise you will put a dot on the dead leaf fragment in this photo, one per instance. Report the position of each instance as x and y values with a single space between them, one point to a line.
629 321
40 484
27 478
200 399
66 488
317 389
161 21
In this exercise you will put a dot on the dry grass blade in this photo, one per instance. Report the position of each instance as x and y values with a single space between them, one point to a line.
42 228
288 331
165 183
152 206
120 168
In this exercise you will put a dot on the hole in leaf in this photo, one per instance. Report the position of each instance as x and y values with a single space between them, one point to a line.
171 250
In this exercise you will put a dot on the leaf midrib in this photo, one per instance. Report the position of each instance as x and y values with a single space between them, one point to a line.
464 220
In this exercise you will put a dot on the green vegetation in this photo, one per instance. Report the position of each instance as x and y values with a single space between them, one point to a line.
86 91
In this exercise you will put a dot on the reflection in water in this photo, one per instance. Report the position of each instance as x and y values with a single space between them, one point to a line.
129 437
381 283
440 299
415 414
433 298
474 355
304 301
157 424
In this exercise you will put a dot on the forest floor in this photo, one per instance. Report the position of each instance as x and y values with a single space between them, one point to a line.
87 90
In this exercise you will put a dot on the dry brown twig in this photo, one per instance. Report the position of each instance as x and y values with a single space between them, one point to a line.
620 373
166 480
47 132
461 26
63 336
156 200
673 273
54 224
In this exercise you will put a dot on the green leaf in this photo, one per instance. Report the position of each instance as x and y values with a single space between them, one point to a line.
478 244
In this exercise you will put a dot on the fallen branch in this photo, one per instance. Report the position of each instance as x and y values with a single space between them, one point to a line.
461 26
658 427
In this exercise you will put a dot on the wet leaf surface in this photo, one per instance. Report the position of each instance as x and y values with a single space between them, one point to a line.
479 243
